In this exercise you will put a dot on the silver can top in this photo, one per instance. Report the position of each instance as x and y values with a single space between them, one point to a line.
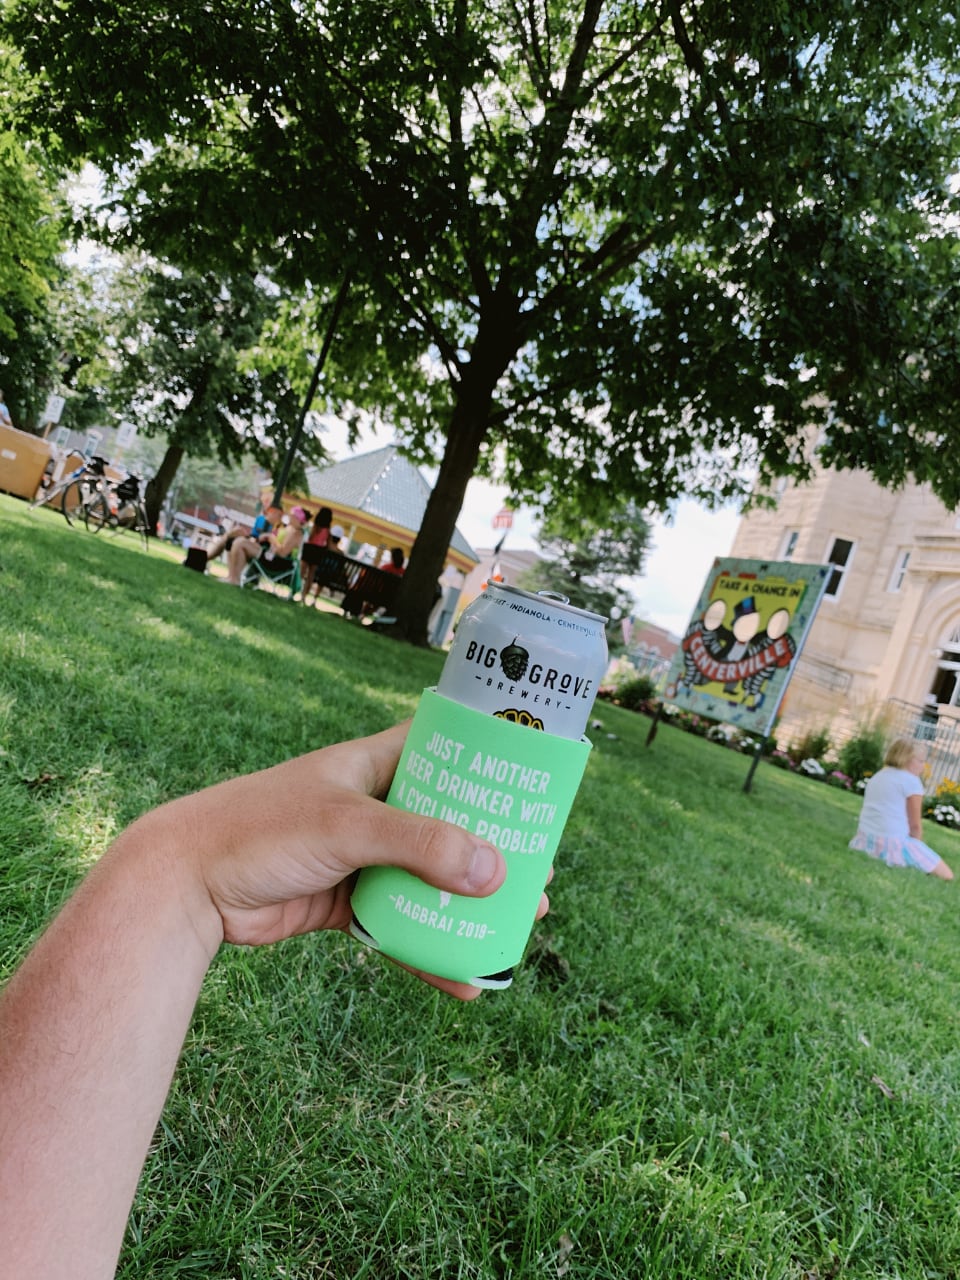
553 598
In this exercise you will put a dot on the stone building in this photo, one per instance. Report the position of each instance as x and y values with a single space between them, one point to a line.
886 640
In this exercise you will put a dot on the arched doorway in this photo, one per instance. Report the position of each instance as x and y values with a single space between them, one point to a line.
946 681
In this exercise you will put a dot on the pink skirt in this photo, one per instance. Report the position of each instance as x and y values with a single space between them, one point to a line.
896 852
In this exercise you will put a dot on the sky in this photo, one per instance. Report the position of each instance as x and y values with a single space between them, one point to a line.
681 553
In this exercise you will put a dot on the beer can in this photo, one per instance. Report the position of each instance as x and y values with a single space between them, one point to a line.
520 661
527 657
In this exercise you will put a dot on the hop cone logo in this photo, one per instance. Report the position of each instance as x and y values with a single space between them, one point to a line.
514 659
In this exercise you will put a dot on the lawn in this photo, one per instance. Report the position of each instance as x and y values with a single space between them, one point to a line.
732 1050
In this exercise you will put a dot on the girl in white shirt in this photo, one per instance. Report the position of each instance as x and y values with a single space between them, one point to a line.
891 820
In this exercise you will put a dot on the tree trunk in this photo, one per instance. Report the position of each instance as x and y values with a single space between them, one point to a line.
468 427
159 486
499 336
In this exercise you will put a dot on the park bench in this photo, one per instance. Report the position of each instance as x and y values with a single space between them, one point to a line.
359 584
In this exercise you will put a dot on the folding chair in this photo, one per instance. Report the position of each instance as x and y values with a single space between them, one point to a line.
279 571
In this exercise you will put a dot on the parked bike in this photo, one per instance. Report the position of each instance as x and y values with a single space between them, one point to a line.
118 506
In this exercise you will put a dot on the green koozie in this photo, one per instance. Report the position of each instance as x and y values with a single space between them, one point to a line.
509 783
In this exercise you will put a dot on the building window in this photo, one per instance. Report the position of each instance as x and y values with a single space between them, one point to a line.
839 557
899 570
789 544
946 683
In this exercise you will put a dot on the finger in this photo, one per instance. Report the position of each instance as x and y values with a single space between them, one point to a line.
368 764
544 905
460 990
364 832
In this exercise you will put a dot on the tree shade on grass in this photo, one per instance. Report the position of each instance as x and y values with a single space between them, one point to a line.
732 1050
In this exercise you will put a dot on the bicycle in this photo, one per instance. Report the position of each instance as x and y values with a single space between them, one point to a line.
75 490
118 507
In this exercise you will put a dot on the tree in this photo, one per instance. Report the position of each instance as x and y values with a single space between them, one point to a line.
200 482
32 240
593 243
587 556
198 358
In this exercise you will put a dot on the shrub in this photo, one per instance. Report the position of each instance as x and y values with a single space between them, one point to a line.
946 815
814 745
635 694
781 759
943 805
863 753
725 733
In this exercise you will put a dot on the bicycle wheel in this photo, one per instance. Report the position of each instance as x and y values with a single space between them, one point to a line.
96 513
74 502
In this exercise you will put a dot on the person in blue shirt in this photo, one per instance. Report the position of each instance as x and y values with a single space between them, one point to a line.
266 522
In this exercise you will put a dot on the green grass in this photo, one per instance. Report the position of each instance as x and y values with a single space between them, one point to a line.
684 1080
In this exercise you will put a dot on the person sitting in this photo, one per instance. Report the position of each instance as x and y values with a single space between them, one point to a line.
280 546
393 565
891 820
265 523
396 562
319 537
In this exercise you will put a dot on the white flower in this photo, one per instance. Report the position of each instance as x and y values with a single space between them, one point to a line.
813 767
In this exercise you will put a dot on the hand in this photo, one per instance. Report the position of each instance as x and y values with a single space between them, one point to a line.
92 1022
277 850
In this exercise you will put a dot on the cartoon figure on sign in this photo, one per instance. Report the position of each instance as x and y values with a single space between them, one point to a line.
743 639
741 657
774 649
746 624
710 632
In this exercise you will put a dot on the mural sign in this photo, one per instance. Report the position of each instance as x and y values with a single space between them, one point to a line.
742 643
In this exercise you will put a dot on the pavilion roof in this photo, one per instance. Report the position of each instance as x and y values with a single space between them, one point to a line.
383 496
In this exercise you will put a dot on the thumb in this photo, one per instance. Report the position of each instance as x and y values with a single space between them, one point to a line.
437 852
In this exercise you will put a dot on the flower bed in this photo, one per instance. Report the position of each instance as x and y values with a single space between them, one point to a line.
942 806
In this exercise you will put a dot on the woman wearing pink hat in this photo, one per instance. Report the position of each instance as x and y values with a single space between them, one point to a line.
283 544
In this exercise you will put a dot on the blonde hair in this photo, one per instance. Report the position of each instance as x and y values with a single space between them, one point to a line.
901 751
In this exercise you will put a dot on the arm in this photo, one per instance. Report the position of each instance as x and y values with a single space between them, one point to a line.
92 1023
284 541
290 542
915 816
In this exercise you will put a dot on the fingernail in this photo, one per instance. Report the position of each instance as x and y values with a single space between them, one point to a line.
483 866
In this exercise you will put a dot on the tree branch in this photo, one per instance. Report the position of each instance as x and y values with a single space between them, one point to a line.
628 53
555 127
454 106
422 317
694 59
